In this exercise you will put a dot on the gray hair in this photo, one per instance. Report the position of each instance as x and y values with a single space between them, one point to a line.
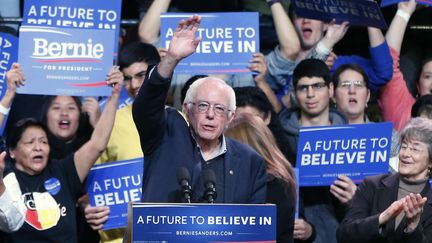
193 89
420 129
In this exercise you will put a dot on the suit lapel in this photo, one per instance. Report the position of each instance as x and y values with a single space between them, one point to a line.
230 166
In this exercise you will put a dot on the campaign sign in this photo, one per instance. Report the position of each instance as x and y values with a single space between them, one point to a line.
115 184
84 14
353 150
357 12
228 42
201 223
8 55
385 3
65 61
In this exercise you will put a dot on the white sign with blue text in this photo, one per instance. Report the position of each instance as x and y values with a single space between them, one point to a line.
227 44
68 46
356 151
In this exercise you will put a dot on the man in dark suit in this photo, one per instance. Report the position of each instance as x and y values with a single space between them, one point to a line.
169 141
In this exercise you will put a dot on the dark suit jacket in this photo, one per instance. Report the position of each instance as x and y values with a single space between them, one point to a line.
374 195
168 144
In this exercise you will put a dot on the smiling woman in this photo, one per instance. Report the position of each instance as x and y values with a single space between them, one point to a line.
396 208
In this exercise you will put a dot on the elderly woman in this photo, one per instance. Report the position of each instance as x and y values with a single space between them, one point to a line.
42 192
398 207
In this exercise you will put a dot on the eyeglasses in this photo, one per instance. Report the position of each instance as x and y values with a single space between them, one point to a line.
315 86
348 83
204 106
139 76
412 149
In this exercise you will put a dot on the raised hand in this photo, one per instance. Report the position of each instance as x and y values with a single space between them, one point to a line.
343 189
258 64
408 7
15 77
92 108
335 33
115 79
184 41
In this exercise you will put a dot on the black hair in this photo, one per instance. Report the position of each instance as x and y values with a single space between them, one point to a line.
138 52
311 68
60 148
335 78
422 105
20 127
255 97
188 83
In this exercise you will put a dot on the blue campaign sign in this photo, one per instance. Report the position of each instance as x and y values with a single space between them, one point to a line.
228 42
83 14
115 184
65 61
353 150
8 55
385 3
69 45
202 223
357 12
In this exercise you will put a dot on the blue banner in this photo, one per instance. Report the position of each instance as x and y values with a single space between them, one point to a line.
353 150
357 12
228 42
68 46
8 55
115 184
201 223
385 3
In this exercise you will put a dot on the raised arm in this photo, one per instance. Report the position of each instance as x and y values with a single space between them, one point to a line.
15 78
148 29
396 31
86 156
289 43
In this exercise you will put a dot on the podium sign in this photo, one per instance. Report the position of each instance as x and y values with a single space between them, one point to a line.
193 223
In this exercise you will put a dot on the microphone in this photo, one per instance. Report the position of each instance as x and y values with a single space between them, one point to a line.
183 178
210 186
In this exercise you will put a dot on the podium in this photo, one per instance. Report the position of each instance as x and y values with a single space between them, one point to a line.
201 223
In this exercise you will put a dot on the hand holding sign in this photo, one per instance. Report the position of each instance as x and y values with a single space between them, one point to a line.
343 189
302 230
407 7
96 216
15 77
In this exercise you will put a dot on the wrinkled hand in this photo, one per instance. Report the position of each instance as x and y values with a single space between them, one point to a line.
343 189
92 108
413 209
302 230
335 33
331 60
184 42
96 216
391 212
259 65
15 77
115 79
407 6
